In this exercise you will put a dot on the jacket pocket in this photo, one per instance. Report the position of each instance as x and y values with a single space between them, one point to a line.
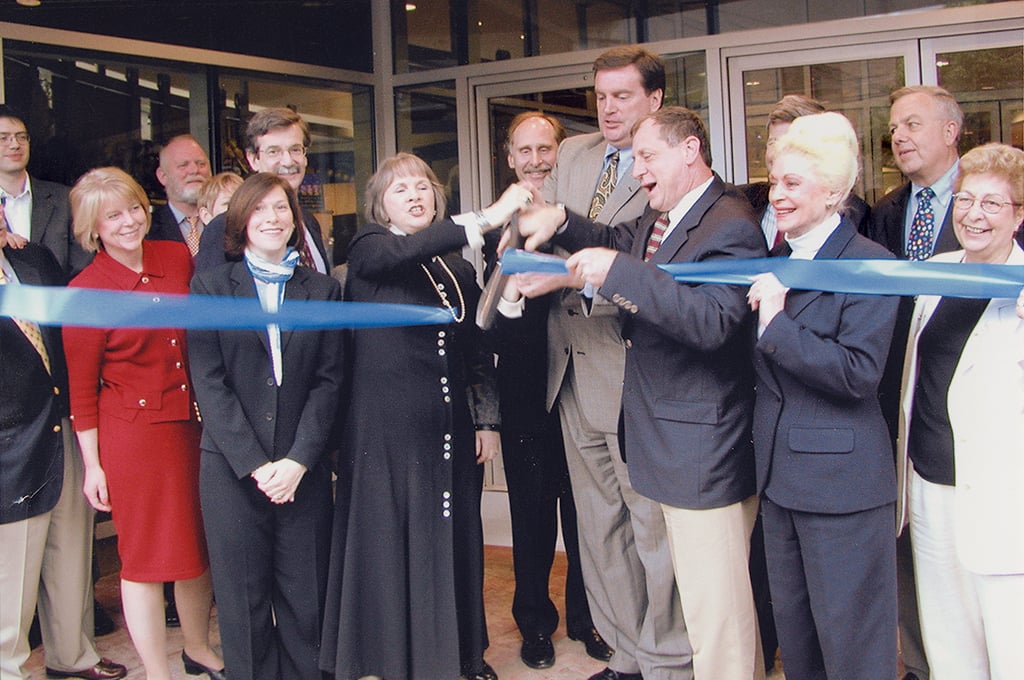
821 440
705 413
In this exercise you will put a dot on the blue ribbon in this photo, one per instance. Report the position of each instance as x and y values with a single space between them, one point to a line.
871 277
52 306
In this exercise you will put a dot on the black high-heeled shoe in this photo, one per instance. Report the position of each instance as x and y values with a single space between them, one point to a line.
193 667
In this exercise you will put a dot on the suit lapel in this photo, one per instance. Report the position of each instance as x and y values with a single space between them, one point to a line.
243 286
296 289
42 210
797 300
671 246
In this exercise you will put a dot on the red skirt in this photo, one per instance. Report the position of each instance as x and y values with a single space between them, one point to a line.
152 474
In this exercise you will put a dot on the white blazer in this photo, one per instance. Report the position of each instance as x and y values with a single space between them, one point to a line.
986 411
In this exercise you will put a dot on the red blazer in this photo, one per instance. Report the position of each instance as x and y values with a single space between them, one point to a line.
131 373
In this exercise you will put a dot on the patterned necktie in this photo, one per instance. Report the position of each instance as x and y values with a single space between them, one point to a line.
192 237
605 186
30 330
919 244
657 234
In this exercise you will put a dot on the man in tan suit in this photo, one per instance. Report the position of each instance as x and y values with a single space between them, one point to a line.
624 553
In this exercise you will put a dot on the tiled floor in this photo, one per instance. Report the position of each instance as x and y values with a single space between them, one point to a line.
571 659
571 662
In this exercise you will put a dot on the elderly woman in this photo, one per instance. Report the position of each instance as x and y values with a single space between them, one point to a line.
132 408
824 461
405 598
962 440
268 399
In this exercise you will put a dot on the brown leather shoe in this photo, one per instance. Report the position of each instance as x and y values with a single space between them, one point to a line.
105 669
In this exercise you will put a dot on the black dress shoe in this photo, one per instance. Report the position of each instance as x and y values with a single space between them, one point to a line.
537 651
193 667
609 674
171 619
105 669
102 624
597 648
485 673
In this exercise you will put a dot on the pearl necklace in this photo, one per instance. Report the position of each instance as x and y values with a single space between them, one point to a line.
439 288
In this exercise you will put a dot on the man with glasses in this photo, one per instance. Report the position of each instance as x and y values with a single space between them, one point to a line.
37 211
276 141
46 525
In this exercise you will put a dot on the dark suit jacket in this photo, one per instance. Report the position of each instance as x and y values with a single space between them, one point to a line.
820 440
887 224
246 417
33 401
211 244
688 386
51 227
163 226
855 209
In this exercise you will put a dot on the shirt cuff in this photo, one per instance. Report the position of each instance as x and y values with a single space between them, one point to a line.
474 237
511 310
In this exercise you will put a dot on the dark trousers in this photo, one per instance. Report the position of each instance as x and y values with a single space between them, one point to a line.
833 583
539 492
269 565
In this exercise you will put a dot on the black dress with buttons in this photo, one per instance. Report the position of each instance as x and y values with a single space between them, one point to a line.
405 590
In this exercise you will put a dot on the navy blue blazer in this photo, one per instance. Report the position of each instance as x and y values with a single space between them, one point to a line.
32 401
688 385
247 418
820 440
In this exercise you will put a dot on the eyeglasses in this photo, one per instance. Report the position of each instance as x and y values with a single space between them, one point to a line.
20 137
989 204
275 152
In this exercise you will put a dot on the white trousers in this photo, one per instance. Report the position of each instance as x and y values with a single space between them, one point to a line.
972 624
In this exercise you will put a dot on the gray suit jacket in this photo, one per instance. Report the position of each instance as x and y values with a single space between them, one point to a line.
593 341
51 226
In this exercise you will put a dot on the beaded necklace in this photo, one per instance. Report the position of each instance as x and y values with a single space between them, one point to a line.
439 288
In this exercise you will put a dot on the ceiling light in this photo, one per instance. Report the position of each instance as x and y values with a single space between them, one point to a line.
410 7
30 3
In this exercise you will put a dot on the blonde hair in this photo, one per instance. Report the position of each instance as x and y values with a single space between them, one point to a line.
402 164
89 195
829 142
1001 160
213 187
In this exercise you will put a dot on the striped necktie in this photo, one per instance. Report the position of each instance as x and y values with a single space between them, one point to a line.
605 186
31 331
657 234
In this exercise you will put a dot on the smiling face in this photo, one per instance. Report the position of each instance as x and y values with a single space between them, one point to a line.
409 203
666 172
621 102
986 238
278 152
532 151
121 227
270 226
924 140
13 154
801 201
183 169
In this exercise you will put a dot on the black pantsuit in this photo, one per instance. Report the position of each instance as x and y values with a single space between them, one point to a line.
269 561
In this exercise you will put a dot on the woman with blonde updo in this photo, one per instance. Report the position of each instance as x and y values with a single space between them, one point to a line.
824 461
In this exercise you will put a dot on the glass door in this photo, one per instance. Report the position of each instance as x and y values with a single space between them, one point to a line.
841 79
